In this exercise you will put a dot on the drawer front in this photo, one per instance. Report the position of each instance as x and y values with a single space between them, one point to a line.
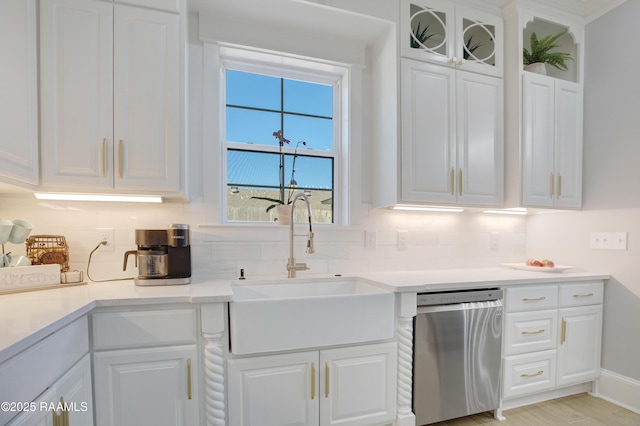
525 374
117 330
581 294
531 298
530 331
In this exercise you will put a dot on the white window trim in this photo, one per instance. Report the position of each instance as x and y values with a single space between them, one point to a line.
215 60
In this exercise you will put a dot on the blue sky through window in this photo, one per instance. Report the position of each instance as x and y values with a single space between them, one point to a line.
257 106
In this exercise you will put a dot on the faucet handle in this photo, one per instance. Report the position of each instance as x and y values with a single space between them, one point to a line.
310 249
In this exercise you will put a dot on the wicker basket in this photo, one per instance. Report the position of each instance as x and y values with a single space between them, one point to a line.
48 249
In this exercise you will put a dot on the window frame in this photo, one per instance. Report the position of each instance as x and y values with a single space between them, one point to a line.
283 66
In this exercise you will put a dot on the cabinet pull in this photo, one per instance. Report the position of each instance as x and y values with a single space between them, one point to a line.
64 414
529 299
552 186
313 380
326 380
563 333
120 158
189 393
104 157
539 373
453 181
533 332
460 183
559 185
583 295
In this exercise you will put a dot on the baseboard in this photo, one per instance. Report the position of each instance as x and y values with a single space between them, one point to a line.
618 389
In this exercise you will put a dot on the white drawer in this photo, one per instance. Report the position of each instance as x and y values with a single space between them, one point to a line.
117 330
581 294
531 298
28 374
525 374
530 331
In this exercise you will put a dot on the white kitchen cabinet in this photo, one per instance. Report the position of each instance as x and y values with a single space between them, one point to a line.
157 386
543 113
552 339
19 93
69 401
452 136
552 142
146 367
110 78
451 34
346 386
28 374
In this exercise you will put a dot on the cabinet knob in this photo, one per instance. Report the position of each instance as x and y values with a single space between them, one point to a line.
462 62
453 60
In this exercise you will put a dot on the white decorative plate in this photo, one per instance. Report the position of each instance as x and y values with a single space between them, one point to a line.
524 267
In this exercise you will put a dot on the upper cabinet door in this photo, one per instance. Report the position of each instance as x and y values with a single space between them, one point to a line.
76 51
428 133
452 35
537 143
480 139
146 93
568 144
19 92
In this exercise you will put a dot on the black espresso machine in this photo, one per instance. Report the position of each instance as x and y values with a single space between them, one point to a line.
163 256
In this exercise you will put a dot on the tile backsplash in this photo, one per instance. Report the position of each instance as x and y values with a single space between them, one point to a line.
433 240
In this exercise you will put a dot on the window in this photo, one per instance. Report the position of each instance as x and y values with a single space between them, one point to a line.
280 137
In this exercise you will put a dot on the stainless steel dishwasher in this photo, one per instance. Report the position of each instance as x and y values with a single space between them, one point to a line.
457 359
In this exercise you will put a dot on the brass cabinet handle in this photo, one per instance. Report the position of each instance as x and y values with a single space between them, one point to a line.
583 295
563 333
539 373
453 181
552 186
189 393
313 380
121 158
529 299
104 157
326 380
460 183
559 185
533 332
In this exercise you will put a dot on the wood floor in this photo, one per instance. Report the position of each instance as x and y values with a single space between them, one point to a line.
577 410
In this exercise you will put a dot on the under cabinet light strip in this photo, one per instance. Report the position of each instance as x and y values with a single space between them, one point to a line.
507 211
98 197
427 209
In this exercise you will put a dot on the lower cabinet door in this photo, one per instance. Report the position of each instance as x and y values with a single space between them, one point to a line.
348 386
358 385
152 386
580 344
274 390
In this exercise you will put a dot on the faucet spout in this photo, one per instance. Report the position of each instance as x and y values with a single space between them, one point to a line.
292 266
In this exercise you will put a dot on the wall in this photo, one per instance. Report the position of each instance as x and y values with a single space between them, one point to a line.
434 240
611 182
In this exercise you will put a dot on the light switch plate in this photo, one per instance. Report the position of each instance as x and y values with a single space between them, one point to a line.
608 240
403 236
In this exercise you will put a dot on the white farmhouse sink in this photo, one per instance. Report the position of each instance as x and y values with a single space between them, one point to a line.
267 316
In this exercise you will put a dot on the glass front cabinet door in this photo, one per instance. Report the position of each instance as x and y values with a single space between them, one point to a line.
457 36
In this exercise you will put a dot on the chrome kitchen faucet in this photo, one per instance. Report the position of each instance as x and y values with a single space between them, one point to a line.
292 266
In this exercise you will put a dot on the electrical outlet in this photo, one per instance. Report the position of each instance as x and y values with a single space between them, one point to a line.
106 234
370 239
494 241
403 236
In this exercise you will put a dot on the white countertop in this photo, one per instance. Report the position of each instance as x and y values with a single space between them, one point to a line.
26 318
